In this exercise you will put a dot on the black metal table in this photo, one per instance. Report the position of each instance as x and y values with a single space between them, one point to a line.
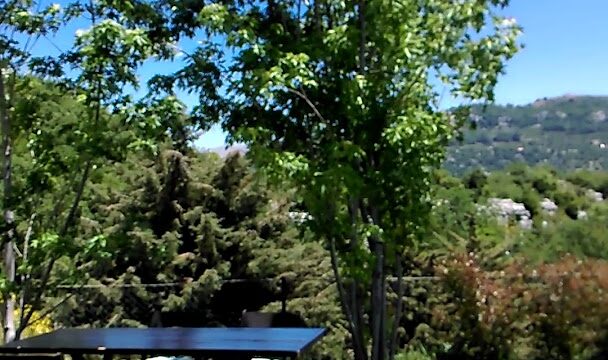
216 343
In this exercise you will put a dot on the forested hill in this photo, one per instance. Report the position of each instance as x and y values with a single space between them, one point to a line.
568 132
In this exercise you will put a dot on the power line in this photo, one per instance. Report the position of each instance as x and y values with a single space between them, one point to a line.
156 285
225 281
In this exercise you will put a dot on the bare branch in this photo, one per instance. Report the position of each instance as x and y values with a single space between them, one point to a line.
25 277
72 214
60 201
28 235
312 106
53 43
51 309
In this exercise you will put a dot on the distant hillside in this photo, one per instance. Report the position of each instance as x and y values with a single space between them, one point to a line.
568 132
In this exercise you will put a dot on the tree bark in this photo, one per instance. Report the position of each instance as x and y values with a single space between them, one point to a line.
8 238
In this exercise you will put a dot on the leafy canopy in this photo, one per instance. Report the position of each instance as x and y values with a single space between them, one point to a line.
342 97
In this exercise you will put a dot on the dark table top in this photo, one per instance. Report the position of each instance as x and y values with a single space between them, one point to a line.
289 342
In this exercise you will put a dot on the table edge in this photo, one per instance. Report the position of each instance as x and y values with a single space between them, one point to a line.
8 349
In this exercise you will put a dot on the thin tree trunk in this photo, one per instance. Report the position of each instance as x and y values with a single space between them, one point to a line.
299 24
378 288
330 19
383 325
362 37
47 271
25 319
392 348
376 247
317 16
8 238
71 217
355 299
25 277
75 204
378 301
355 294
359 350
8 309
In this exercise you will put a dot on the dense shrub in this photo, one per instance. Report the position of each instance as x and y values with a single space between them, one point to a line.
552 311
595 180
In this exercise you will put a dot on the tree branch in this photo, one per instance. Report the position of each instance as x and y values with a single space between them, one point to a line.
72 214
312 106
51 309
60 201
25 277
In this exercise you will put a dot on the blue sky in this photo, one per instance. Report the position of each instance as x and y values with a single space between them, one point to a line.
566 52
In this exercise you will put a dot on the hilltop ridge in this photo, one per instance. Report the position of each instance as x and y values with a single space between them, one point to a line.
567 132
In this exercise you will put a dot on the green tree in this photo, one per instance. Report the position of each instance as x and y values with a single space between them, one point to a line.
476 181
339 98
63 154
17 19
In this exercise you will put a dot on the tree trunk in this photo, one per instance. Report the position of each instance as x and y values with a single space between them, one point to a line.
317 16
24 278
362 37
392 347
354 292
356 298
71 217
8 308
358 346
8 238
378 302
